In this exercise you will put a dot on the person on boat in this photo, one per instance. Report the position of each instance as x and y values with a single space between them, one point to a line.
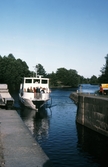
31 90
101 91
28 90
42 90
34 90
38 92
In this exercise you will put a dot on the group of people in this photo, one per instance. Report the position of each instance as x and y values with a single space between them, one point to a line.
36 90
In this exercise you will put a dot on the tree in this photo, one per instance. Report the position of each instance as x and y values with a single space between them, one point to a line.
62 76
103 78
53 79
67 77
73 78
93 80
83 80
11 56
12 71
40 70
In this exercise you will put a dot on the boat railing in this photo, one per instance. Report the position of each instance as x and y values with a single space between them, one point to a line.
32 95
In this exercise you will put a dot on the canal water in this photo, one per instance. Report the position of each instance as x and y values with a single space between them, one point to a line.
65 142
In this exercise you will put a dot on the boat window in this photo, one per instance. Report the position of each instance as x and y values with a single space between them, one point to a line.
44 81
28 81
36 81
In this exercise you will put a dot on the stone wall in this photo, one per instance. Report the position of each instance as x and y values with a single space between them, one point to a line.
74 97
92 112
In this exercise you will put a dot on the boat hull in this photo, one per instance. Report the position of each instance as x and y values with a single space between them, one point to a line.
28 103
33 103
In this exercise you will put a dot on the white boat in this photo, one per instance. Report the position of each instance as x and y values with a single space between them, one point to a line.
34 92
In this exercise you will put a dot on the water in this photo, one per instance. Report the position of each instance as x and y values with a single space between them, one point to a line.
66 143
87 88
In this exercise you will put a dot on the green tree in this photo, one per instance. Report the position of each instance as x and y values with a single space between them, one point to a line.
67 77
62 76
93 80
40 70
11 56
53 79
103 78
12 71
73 78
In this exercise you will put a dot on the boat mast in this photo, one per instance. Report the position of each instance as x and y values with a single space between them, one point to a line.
35 68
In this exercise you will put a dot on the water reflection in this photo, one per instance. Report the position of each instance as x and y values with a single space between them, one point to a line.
41 124
37 122
27 116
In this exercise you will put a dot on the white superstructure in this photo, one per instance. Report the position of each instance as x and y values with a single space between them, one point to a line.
34 91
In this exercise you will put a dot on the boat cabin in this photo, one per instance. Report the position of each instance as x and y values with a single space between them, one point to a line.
29 83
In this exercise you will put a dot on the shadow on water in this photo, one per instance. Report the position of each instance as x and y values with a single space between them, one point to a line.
37 122
93 145
42 113
48 164
27 113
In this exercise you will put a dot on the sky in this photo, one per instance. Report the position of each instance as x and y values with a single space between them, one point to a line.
71 34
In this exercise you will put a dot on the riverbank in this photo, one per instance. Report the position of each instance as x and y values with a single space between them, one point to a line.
17 146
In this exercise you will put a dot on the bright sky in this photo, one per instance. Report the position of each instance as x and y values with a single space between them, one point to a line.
56 33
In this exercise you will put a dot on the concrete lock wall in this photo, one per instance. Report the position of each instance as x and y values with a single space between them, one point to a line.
92 111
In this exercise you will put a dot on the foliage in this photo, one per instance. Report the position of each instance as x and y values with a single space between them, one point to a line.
83 80
67 77
40 70
103 78
53 79
62 76
93 80
73 78
12 71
